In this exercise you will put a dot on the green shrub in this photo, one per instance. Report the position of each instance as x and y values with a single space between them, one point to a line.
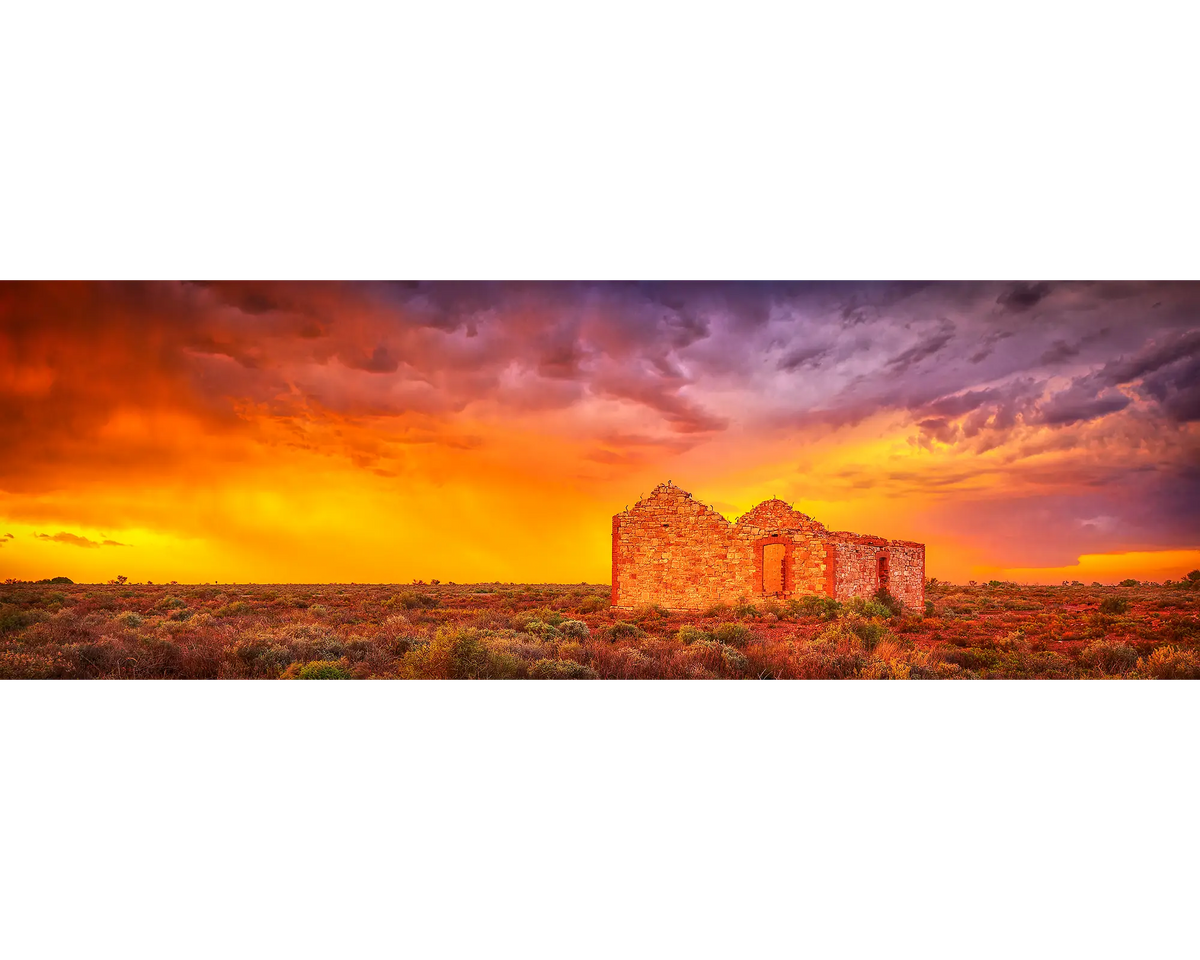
867 608
1129 583
593 604
130 619
1114 605
868 631
744 609
651 611
574 630
543 631
323 670
1108 656
733 634
690 634
815 606
235 609
13 619
715 611
719 656
547 669
929 611
543 615
971 658
894 607
623 630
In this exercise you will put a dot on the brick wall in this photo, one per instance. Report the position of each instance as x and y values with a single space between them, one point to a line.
857 569
672 550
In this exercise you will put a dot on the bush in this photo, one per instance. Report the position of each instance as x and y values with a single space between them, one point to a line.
409 600
13 620
1129 583
593 605
547 669
719 656
929 611
574 630
1170 663
1108 656
868 631
744 609
651 611
733 634
815 606
1114 605
130 619
867 608
235 609
1194 576
623 630
894 607
324 670
715 611
543 631
690 634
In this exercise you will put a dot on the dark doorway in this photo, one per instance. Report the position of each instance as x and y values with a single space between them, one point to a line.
882 571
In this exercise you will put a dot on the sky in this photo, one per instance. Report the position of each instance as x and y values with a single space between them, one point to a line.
386 432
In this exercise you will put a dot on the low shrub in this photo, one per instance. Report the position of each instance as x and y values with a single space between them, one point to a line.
719 656
1114 605
867 608
1109 656
815 606
410 600
884 598
733 634
690 634
868 631
324 670
543 631
549 669
593 605
574 630
1170 663
744 609
623 630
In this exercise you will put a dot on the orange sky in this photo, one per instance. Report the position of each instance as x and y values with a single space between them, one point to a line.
384 433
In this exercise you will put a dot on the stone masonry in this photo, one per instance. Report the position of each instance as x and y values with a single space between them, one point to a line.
672 550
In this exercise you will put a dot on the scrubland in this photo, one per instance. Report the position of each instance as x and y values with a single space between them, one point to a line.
554 631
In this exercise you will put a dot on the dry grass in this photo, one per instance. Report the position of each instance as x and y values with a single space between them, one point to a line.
565 632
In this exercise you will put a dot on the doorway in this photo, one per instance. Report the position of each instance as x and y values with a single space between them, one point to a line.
773 554
882 571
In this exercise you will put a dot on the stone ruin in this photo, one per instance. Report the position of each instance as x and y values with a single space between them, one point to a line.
671 550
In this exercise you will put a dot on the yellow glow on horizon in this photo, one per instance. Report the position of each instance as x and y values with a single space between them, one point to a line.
1155 565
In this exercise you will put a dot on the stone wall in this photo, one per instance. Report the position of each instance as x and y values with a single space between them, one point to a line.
908 573
670 549
857 568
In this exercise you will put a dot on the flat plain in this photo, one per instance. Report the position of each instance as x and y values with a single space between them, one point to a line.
557 631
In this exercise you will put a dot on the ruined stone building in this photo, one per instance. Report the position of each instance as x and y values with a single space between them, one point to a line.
671 550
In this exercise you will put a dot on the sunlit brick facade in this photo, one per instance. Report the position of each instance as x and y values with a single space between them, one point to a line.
672 550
